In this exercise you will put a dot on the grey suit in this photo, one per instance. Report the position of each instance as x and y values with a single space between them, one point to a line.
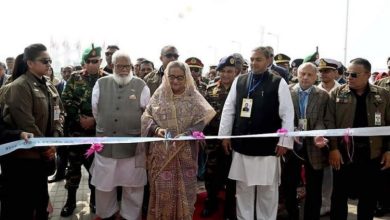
315 112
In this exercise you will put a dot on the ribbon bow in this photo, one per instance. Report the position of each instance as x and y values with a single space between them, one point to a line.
198 135
282 131
95 147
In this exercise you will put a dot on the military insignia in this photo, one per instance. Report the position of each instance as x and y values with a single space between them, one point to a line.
378 99
280 57
231 61
93 53
322 63
193 61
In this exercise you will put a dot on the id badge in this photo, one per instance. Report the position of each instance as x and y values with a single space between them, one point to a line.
57 112
246 108
302 124
378 118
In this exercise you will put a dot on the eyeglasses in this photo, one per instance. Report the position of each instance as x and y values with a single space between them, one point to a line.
92 61
171 55
123 66
352 74
178 78
109 54
45 61
195 70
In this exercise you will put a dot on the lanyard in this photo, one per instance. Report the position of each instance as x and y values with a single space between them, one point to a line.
252 87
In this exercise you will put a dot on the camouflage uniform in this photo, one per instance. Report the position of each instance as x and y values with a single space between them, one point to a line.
218 163
77 98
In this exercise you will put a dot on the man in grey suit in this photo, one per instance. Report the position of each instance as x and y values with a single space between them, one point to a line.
309 105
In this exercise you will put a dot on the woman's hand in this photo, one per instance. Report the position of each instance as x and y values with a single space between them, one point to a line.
25 136
160 132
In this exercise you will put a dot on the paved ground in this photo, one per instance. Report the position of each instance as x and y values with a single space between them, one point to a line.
58 198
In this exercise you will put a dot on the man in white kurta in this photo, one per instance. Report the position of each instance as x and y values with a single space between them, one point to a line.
118 101
261 174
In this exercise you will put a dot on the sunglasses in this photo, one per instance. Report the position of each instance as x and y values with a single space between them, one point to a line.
109 54
195 70
45 61
178 78
352 74
92 61
171 55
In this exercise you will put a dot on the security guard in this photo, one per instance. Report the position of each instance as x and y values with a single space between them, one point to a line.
282 60
77 98
218 163
196 67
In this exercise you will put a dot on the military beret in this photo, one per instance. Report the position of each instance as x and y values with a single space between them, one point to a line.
194 62
311 58
324 63
91 52
226 61
296 63
281 58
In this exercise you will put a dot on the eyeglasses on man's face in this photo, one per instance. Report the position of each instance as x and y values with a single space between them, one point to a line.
352 74
121 67
171 55
92 61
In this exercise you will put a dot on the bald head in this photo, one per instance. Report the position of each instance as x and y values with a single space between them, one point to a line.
307 75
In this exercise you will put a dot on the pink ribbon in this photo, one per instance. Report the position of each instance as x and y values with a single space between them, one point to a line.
347 134
282 131
95 147
198 135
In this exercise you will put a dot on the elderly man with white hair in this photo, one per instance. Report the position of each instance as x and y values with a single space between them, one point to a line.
118 102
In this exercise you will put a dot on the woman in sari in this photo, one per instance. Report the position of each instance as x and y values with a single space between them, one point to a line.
175 109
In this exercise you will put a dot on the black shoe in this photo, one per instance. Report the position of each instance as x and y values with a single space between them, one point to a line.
380 212
68 209
92 208
56 179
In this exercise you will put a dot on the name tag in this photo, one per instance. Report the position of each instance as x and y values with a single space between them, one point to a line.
378 118
246 108
57 112
302 124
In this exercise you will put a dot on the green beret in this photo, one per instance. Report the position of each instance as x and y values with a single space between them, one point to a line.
91 52
311 58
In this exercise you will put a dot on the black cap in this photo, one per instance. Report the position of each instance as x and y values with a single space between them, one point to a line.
226 61
296 63
282 58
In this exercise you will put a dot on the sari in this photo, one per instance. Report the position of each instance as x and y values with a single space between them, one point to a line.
172 165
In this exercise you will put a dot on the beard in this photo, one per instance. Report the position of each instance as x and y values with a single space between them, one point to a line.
122 80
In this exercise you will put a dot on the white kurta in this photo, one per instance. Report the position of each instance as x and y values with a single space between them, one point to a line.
258 170
108 173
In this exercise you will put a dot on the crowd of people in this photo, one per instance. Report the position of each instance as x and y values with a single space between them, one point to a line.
158 180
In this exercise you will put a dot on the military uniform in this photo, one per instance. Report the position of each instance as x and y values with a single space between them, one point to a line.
77 98
218 163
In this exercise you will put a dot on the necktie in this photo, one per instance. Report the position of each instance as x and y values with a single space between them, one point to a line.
302 103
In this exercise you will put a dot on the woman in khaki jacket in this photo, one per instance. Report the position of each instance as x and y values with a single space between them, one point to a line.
32 104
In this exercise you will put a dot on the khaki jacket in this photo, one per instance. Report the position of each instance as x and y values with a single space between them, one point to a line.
31 106
341 112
